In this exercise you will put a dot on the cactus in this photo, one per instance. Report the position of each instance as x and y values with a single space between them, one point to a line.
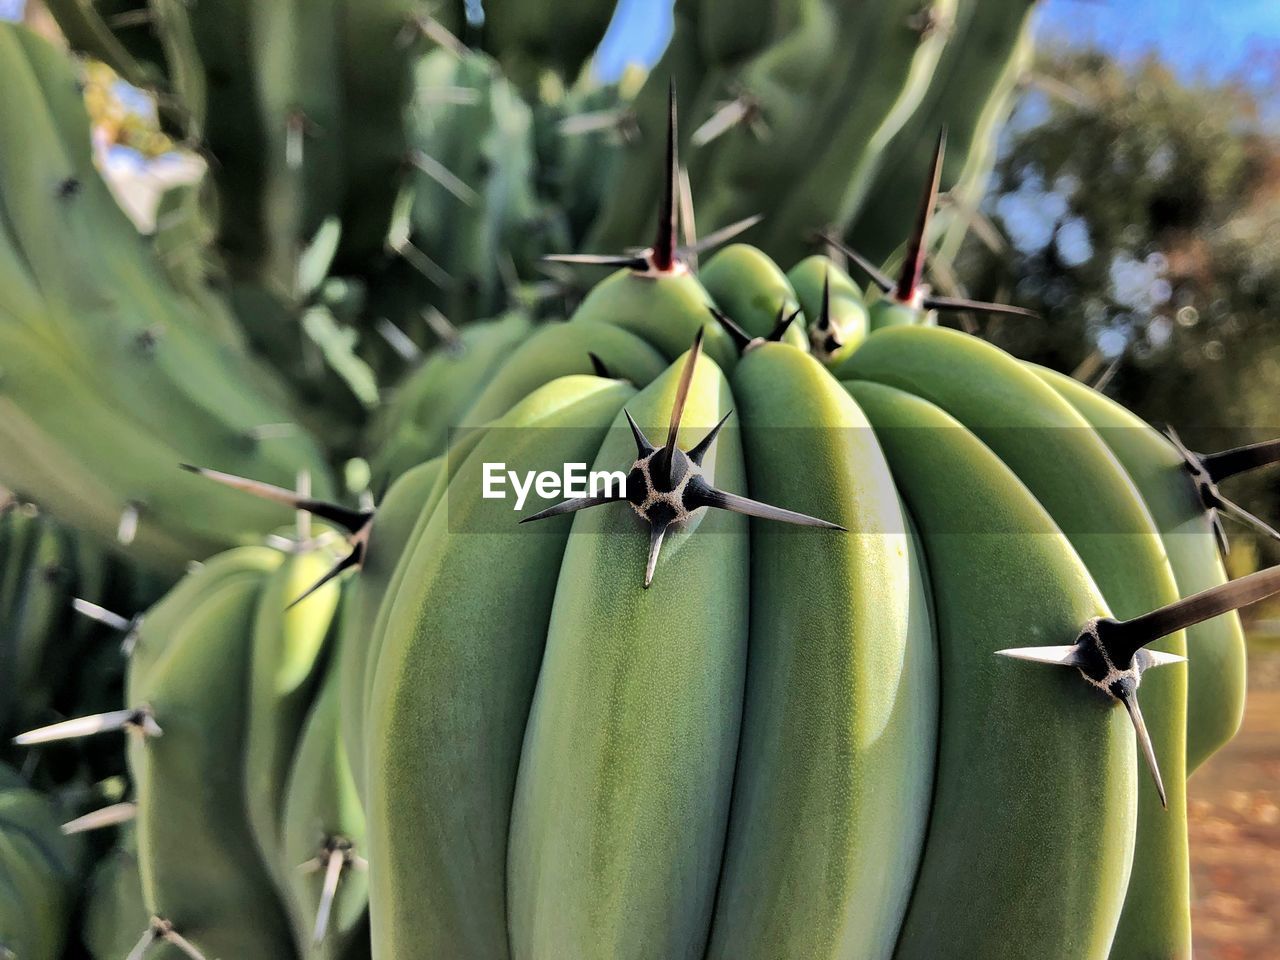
435 398
489 771
35 597
327 132
59 641
769 698
121 375
473 168
837 105
114 911
38 867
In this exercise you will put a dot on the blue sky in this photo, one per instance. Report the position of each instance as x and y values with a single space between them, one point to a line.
1210 38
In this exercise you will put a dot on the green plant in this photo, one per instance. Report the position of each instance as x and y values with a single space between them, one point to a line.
119 373
190 677
38 867
479 719
748 706
114 910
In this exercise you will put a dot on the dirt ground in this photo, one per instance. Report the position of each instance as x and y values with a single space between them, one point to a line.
1234 806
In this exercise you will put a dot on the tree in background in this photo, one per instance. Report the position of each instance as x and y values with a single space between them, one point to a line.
1143 214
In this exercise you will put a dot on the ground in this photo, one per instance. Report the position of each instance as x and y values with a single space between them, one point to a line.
1234 806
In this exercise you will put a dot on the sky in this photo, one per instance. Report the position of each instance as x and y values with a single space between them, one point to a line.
1213 39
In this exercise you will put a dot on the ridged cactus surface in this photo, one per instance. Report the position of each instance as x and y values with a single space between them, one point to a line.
112 376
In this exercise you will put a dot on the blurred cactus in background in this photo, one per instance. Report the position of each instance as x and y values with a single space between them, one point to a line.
380 173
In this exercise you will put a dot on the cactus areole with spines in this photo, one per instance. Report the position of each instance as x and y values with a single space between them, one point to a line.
666 485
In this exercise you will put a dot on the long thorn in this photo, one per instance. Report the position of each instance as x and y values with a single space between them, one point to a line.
570 506
272 431
1057 656
688 223
352 559
302 518
510 275
917 245
664 244
780 328
143 946
351 520
131 639
1086 368
443 328
1205 605
449 96
111 816
1130 702
295 129
420 261
725 117
878 277
137 718
1243 516
1104 378
643 446
664 460
101 615
139 17
724 234
445 177
708 496
824 314
332 873
398 340
977 306
592 121
596 260
741 339
697 453
657 533
1229 463
1219 531
599 367
440 35
182 943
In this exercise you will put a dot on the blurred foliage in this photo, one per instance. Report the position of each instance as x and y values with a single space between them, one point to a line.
1143 215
